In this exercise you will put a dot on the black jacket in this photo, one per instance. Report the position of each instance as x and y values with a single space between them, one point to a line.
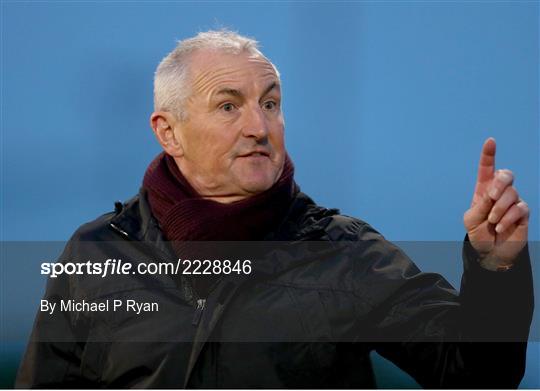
301 323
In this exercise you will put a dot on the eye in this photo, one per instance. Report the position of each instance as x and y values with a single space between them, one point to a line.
270 105
228 107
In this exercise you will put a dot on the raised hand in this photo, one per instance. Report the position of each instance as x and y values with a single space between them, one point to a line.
498 219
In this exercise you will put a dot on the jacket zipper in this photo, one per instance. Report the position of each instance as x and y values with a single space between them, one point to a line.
120 231
201 304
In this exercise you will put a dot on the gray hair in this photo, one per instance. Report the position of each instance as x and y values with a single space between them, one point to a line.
171 87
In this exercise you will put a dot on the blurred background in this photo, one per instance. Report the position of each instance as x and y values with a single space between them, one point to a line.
387 105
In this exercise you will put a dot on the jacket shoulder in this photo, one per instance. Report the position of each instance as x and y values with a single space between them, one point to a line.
343 227
99 229
330 223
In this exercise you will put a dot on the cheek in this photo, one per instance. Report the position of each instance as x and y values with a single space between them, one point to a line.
217 152
209 147
277 138
276 126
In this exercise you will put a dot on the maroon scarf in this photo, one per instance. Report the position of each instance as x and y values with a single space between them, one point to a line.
184 215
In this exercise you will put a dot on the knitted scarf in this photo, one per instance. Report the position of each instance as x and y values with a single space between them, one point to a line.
184 215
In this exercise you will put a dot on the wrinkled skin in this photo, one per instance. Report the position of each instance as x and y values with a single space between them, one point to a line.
231 145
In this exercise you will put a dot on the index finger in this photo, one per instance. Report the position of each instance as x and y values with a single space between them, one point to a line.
486 167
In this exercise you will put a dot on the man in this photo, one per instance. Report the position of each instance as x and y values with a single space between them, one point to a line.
305 318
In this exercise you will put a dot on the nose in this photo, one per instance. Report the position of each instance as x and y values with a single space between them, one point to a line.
255 123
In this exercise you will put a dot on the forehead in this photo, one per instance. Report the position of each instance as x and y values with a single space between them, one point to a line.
210 69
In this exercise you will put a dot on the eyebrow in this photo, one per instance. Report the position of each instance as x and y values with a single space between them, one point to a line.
239 94
270 87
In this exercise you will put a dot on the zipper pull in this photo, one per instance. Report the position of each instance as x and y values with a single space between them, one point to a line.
198 312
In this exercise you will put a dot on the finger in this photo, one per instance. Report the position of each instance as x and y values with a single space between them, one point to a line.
486 167
506 200
478 213
501 180
517 214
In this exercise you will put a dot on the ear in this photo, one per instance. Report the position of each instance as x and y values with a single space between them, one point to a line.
163 124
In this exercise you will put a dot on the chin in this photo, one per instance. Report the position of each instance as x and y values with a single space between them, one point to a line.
257 183
256 180
255 186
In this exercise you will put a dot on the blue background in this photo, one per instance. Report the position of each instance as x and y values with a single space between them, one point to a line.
387 105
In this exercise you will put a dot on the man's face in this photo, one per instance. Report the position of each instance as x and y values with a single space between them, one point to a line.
232 139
